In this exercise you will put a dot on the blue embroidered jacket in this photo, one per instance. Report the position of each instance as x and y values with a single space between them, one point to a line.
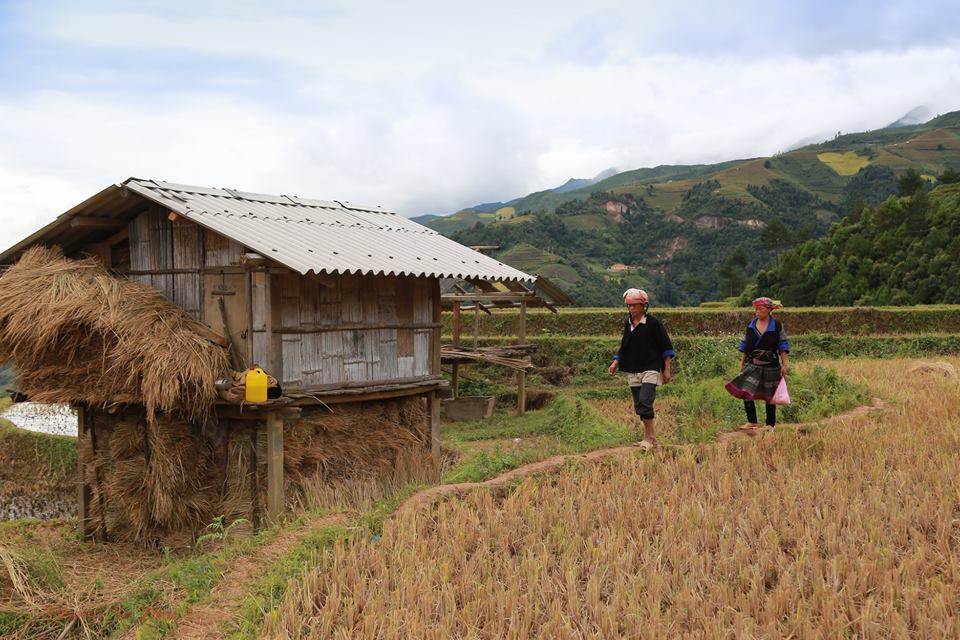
774 339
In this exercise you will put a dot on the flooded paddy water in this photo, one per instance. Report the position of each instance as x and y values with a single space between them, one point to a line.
57 419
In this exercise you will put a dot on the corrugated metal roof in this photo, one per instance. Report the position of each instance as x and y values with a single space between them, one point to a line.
325 236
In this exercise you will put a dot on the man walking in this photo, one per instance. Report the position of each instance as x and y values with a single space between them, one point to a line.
645 354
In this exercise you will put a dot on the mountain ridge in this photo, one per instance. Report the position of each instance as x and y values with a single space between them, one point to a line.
699 232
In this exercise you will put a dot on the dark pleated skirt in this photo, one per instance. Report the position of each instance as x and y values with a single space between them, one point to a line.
755 382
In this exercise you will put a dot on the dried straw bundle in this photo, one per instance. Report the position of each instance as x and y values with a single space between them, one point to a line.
351 440
237 497
77 333
150 482
161 482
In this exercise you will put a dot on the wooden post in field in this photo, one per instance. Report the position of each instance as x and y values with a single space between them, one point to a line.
476 323
84 495
433 402
522 374
275 501
455 378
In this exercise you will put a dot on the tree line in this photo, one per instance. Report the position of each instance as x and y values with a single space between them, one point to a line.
904 251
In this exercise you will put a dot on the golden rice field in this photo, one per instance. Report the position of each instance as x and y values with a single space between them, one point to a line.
849 530
847 163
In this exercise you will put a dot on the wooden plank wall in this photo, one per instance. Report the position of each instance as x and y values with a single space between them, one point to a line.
341 329
224 279
168 256
187 254
344 329
220 251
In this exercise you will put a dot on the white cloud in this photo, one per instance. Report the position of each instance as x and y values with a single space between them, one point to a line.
404 108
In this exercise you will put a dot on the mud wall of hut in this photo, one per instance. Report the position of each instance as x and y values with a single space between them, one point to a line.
308 331
163 483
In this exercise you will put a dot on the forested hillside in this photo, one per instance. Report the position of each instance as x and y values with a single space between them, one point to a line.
905 251
706 248
703 232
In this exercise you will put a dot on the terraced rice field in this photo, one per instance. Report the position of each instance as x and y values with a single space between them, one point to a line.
847 163
850 530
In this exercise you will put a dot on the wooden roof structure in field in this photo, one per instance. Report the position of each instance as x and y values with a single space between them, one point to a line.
499 295
305 235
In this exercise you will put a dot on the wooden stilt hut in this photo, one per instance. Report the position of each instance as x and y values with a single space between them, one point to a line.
148 292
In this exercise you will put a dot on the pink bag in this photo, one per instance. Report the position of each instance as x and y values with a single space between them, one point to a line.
781 395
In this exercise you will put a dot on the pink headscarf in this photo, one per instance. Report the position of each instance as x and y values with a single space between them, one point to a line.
635 296
766 302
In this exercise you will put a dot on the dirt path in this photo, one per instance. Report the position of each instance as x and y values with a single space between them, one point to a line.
207 619
426 497
876 405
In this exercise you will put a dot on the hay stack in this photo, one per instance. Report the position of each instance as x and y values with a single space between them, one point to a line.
151 482
944 369
161 483
353 453
351 440
75 333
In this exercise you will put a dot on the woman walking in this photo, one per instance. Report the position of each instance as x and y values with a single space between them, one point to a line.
645 354
763 362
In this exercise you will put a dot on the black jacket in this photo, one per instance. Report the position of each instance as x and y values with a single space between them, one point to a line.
765 348
644 348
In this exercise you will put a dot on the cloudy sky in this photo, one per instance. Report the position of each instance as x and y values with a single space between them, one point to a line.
427 107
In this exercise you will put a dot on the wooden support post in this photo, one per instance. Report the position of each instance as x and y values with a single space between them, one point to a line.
254 480
521 392
275 320
275 500
84 494
522 375
476 324
437 332
265 319
455 377
456 324
522 333
433 403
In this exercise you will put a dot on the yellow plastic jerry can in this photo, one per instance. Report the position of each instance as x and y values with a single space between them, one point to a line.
256 385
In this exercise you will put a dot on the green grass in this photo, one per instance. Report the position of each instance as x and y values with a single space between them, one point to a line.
705 408
479 465
805 170
167 593
44 570
58 453
503 424
569 424
11 622
577 423
189 576
485 465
